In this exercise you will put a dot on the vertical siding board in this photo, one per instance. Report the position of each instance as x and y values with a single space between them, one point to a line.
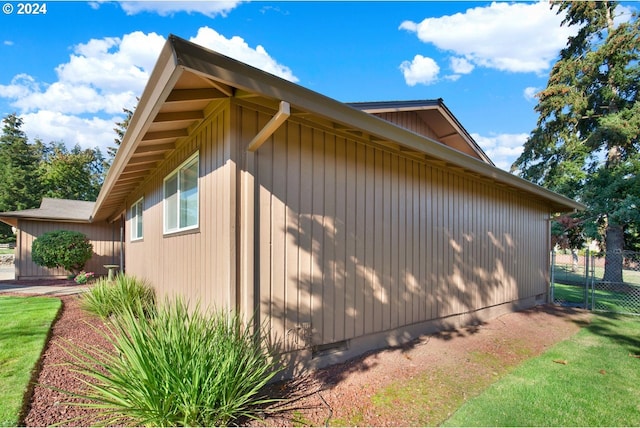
329 292
264 168
379 242
417 237
292 232
362 219
278 299
389 250
317 234
400 244
426 238
352 238
342 293
371 242
306 243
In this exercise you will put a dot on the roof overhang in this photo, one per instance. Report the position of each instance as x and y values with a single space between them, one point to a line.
448 130
190 81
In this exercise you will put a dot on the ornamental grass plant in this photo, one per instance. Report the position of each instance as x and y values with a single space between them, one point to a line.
107 298
178 367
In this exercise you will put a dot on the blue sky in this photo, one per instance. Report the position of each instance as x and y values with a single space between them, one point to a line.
69 72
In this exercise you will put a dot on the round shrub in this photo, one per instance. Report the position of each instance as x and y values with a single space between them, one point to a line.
62 248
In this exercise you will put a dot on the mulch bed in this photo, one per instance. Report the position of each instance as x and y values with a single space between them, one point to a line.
335 393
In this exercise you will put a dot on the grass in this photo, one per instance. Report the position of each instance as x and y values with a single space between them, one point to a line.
24 328
106 298
563 273
589 380
602 300
6 251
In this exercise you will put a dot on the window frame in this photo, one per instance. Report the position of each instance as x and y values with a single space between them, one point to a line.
135 214
177 174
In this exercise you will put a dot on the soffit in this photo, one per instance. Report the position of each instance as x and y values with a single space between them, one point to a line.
184 108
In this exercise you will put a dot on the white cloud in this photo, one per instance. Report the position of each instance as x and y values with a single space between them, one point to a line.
516 37
103 76
165 8
502 149
461 65
530 93
54 126
8 43
422 70
237 48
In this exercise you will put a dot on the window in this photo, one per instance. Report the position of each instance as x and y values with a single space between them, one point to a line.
181 197
136 219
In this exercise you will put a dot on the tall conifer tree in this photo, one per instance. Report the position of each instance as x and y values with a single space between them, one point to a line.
586 143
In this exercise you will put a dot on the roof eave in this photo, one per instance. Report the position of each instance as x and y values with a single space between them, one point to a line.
163 77
179 55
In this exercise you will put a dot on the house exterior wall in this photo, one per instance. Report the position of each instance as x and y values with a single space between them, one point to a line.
103 236
348 240
355 241
197 264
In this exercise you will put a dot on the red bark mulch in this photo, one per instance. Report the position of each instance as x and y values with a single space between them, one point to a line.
336 393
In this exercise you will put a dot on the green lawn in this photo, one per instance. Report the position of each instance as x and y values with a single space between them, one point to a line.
24 326
589 380
6 251
621 301
564 274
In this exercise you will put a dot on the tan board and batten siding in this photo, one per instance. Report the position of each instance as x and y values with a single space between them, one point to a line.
351 240
198 265
103 236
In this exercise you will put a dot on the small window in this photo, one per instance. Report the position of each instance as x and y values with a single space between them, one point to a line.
181 197
136 219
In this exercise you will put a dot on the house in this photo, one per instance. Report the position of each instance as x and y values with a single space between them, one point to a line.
342 227
55 214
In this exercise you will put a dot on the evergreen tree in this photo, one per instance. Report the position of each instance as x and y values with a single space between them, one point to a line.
586 142
120 129
19 179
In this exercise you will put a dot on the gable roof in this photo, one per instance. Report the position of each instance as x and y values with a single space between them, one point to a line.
65 210
189 81
449 131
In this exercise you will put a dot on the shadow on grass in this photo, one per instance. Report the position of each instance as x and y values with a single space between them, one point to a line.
612 326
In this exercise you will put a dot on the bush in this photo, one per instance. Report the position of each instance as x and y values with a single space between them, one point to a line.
124 293
179 367
62 248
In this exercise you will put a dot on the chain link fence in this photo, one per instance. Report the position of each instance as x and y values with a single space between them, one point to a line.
597 281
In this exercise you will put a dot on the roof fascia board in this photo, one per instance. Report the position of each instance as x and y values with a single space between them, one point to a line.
161 82
178 54
251 79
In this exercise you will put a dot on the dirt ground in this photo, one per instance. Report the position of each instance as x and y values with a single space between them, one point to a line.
450 367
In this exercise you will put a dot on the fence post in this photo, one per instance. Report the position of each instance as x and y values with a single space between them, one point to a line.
552 279
586 280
